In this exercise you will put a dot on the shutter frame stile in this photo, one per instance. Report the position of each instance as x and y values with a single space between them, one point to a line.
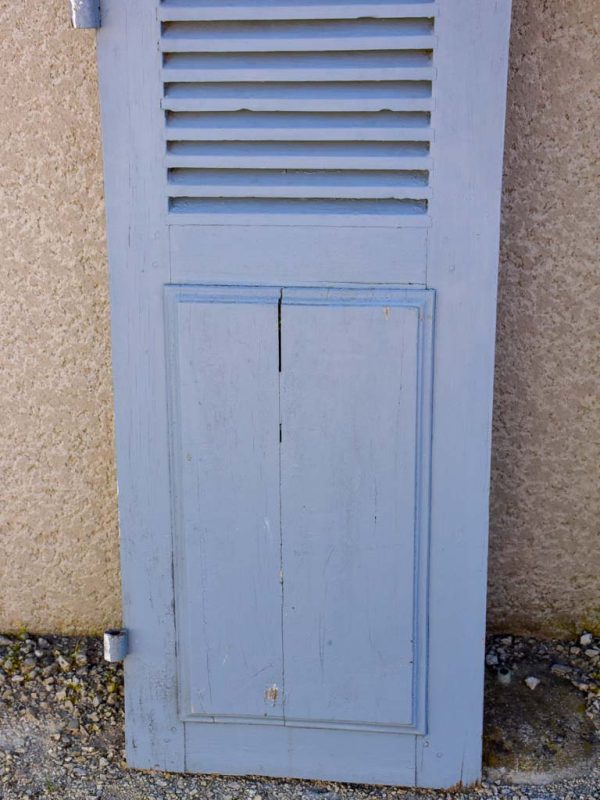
131 125
462 267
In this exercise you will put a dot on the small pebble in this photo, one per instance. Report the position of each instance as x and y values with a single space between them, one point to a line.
560 669
532 682
63 663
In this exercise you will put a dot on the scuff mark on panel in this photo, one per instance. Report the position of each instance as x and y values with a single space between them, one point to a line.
272 694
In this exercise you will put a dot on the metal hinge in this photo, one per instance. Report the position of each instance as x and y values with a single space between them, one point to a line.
116 645
85 13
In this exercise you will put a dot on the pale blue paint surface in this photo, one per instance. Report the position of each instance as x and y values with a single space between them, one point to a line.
303 475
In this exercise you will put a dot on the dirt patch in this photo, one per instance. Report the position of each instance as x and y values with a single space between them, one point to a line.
542 719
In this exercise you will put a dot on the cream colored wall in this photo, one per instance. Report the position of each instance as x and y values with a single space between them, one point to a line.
545 542
59 542
58 524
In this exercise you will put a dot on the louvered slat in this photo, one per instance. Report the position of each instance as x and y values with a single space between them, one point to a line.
392 96
297 112
255 183
307 211
279 126
285 36
302 67
299 155
198 10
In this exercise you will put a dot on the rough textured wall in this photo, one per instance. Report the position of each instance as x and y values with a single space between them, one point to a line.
58 528
545 543
59 542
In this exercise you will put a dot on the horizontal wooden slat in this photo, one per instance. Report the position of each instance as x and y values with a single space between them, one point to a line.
359 96
359 193
306 178
350 184
355 192
307 205
357 129
297 67
200 10
178 103
250 74
300 220
297 36
299 155
328 149
308 161
307 211
365 134
256 126
270 44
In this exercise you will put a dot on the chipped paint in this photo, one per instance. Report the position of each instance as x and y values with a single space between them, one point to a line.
271 694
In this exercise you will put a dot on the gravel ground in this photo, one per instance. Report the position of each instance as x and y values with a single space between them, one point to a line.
61 730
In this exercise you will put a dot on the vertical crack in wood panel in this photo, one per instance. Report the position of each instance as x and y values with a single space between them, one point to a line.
279 331
281 574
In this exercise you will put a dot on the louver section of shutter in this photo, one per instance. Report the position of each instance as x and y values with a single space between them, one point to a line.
293 113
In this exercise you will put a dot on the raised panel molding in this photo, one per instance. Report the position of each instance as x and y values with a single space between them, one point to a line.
271 305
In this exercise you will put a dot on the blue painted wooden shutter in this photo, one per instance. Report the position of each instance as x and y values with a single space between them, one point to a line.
303 204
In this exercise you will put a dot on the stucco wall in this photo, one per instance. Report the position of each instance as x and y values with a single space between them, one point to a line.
59 541
545 542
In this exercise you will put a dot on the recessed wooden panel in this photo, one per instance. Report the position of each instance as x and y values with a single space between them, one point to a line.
223 360
300 442
355 440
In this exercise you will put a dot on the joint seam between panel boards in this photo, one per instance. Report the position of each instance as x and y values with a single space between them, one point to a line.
281 573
